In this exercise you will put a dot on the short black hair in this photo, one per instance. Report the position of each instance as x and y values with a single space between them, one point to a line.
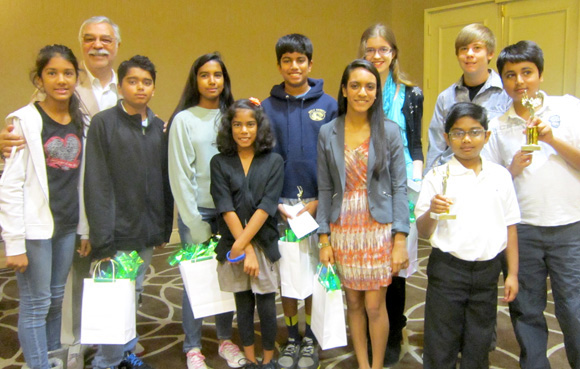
294 42
264 138
523 51
138 61
466 109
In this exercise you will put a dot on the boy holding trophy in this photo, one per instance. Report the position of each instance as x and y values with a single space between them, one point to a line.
547 182
465 262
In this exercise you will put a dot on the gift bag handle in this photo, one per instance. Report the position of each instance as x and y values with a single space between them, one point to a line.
98 266
319 269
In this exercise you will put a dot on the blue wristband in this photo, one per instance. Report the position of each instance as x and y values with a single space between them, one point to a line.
239 258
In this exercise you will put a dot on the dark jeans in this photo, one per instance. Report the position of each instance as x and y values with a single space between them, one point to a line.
460 311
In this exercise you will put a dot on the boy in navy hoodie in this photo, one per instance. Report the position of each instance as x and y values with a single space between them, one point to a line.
297 108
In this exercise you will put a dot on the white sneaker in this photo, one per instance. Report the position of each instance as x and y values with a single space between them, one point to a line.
195 360
231 353
139 350
76 357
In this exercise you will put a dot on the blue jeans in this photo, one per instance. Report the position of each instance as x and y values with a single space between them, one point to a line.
554 252
41 289
111 355
192 325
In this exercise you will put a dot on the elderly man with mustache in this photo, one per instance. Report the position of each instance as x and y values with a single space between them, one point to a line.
100 39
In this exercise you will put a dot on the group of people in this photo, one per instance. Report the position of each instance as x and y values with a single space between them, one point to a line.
89 164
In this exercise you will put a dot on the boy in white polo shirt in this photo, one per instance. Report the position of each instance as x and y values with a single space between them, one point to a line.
547 184
465 262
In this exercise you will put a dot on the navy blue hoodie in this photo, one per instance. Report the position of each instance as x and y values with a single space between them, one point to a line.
296 123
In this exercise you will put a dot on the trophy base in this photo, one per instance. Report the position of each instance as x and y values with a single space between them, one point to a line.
443 216
531 148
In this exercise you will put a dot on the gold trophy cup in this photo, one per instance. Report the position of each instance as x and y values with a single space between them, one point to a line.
443 216
532 103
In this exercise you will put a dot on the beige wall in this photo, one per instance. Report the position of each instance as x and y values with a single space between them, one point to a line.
173 33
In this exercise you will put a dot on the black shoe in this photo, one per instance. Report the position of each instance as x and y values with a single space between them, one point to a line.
247 364
392 355
270 365
131 361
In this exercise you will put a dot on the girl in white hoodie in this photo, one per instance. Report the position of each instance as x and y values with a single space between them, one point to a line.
40 203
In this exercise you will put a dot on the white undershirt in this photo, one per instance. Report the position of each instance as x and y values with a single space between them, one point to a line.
106 96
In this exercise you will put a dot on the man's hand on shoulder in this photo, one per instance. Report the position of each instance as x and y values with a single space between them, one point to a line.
8 140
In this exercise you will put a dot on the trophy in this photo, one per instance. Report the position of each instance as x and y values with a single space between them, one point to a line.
447 215
300 194
532 103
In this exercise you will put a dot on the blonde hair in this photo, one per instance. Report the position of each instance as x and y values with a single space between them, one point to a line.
387 34
475 32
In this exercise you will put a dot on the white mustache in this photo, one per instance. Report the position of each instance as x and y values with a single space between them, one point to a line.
100 52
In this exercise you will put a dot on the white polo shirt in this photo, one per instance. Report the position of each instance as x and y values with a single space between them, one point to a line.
485 205
106 96
549 189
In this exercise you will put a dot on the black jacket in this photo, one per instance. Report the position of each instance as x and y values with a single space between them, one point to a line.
413 112
128 200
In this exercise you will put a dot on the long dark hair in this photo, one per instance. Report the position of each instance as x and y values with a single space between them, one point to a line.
264 138
191 96
44 57
375 114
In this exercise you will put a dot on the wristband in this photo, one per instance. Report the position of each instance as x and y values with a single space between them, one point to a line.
239 258
322 245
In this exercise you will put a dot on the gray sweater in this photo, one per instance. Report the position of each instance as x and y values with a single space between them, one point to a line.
192 144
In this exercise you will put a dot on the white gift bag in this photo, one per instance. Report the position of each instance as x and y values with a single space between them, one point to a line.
200 280
108 311
328 320
412 247
297 269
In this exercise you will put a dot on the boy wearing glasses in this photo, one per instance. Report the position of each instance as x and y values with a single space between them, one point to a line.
465 262
547 184
474 48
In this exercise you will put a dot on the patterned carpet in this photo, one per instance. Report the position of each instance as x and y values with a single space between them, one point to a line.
159 324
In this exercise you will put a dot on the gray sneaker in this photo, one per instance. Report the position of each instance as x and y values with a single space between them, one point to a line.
308 358
289 356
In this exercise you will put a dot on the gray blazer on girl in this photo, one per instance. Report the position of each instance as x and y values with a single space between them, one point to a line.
387 194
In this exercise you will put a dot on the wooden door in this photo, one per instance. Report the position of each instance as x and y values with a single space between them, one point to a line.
553 25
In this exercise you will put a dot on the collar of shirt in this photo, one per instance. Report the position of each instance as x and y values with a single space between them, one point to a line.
494 80
457 169
96 83
513 117
144 122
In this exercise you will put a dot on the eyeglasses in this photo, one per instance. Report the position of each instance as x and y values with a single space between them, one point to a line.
459 134
105 40
370 51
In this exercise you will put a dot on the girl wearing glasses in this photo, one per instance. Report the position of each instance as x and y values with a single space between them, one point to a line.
403 104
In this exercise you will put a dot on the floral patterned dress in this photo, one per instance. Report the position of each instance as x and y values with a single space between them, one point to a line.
362 246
